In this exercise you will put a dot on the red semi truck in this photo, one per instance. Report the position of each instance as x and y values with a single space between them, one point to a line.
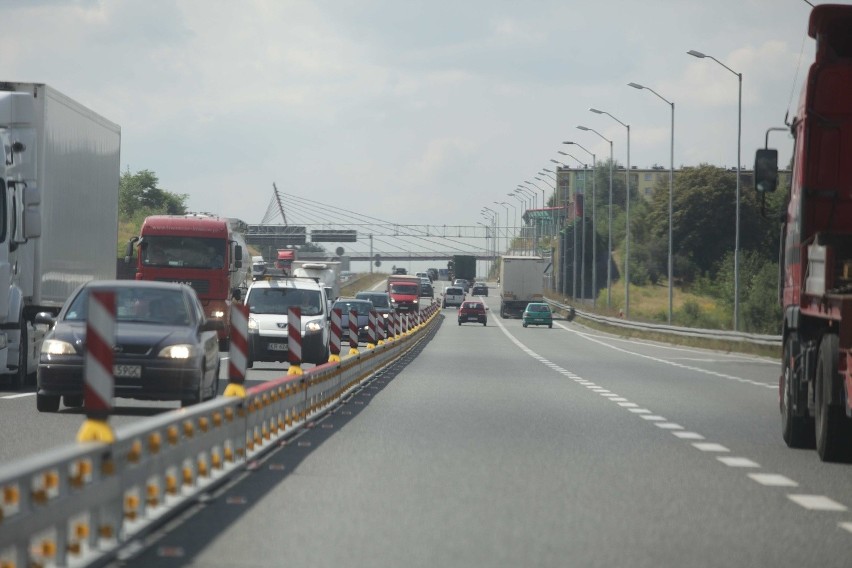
816 252
204 251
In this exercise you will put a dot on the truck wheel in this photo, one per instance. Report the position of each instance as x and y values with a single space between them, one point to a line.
833 429
797 431
47 403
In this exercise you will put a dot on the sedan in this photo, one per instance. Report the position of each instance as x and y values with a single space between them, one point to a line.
165 347
473 312
479 289
538 314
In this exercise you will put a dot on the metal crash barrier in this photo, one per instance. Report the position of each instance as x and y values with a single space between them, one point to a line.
79 504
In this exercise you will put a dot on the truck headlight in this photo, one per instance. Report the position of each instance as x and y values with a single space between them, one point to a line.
313 326
180 351
415 301
218 314
252 325
385 315
56 347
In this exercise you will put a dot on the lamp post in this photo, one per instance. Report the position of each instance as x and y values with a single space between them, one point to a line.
506 226
627 215
594 226
551 223
583 230
514 223
522 203
671 187
529 193
563 261
492 217
609 223
737 216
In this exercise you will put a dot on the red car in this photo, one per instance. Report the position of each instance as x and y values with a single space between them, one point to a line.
473 312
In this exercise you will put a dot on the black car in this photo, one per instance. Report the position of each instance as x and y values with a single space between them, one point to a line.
165 347
381 302
362 309
479 289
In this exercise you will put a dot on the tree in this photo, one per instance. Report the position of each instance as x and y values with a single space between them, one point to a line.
139 193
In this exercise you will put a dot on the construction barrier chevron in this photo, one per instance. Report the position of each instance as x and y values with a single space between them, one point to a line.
81 503
98 379
294 340
238 351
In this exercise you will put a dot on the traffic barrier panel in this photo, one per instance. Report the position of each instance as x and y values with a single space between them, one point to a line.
238 351
334 335
98 380
294 340
353 332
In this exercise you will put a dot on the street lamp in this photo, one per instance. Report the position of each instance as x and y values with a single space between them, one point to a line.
506 232
627 215
583 230
523 203
594 226
671 187
737 221
563 261
609 240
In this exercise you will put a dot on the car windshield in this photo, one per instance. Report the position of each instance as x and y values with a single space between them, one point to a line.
138 304
183 252
538 308
362 308
378 300
404 288
455 291
472 305
279 300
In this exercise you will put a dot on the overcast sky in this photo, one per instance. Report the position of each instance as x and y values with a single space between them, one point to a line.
418 112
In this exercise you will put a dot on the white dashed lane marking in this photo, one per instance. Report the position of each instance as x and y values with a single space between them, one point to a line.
773 480
738 462
817 503
710 447
811 502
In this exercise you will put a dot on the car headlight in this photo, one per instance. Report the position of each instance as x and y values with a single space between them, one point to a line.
218 314
415 301
385 315
252 325
56 347
313 326
180 351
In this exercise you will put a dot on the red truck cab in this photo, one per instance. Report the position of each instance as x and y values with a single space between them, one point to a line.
202 251
816 251
404 291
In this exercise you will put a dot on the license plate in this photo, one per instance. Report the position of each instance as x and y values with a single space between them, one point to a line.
277 347
472 318
127 371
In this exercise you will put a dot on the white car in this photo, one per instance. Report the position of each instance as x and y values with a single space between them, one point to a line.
268 302
453 296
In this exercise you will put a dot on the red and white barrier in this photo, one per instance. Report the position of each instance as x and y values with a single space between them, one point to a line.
98 379
335 331
238 351
371 330
353 332
294 340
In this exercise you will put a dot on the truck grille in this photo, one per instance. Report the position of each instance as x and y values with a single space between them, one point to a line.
200 286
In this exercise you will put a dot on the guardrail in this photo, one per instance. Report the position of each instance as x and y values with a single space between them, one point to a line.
78 504
708 334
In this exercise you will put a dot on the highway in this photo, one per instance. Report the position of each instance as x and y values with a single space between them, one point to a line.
505 446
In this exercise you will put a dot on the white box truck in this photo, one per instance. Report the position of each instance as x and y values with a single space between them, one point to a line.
327 273
59 220
521 282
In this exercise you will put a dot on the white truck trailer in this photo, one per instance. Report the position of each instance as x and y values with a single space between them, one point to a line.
327 273
59 218
521 282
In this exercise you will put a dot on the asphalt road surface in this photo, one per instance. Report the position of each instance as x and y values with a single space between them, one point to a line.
505 446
